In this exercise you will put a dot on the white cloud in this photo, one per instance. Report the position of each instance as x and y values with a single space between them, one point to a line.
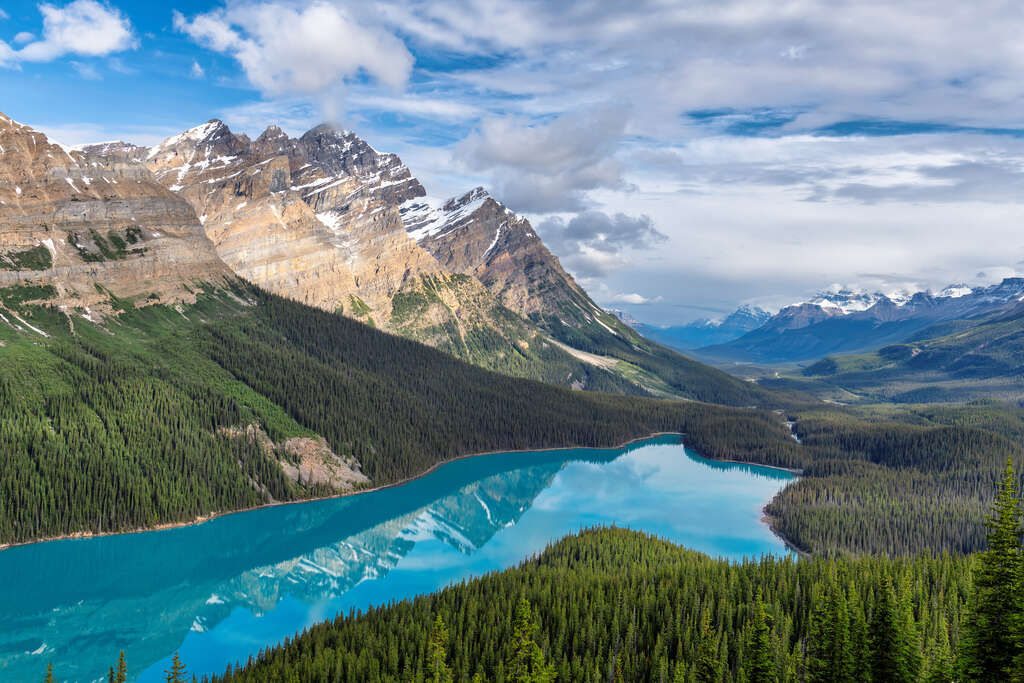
4 15
632 298
23 37
86 71
417 105
285 49
83 27
196 71
546 167
594 243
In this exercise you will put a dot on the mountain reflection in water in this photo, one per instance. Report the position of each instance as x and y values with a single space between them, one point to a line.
222 590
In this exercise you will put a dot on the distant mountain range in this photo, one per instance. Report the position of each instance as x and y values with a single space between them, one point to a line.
844 321
705 332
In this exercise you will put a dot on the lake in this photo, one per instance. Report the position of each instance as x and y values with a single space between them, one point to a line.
220 591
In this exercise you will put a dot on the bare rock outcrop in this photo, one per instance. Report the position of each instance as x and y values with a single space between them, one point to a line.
94 222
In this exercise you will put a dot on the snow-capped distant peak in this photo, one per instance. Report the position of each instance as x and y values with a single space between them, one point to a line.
955 291
846 300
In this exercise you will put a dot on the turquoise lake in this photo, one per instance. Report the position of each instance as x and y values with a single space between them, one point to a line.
220 591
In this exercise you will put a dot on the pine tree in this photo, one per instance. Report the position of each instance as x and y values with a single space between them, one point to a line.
527 663
941 669
177 673
437 656
121 675
708 668
989 640
859 640
830 655
910 640
886 638
49 674
759 663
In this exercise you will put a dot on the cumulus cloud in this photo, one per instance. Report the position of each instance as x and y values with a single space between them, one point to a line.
84 27
286 49
24 37
593 243
633 298
547 167
196 71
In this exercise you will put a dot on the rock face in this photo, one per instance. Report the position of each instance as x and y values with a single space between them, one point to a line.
291 217
85 221
477 235
316 219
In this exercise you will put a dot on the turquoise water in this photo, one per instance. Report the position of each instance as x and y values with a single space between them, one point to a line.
218 592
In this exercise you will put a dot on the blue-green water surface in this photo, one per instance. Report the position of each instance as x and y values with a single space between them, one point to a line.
220 591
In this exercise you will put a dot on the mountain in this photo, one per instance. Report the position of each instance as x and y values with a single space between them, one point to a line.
976 357
143 382
843 321
77 227
478 236
326 220
706 332
315 219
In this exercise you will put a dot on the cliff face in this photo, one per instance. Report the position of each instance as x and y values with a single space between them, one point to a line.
84 221
316 219
303 218
479 236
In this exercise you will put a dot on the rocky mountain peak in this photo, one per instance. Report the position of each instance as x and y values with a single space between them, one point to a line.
94 220
474 195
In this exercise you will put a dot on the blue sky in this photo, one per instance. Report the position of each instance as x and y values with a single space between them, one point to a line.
681 158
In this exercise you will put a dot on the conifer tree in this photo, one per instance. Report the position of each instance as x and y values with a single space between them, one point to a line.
527 663
989 641
437 656
941 669
910 640
708 668
886 637
177 673
830 656
759 663
121 675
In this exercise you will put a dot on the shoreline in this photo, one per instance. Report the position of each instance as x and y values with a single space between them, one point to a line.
771 522
201 519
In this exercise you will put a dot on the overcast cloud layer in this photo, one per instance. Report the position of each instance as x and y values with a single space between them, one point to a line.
680 157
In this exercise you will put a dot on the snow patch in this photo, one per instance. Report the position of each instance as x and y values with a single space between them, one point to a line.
28 325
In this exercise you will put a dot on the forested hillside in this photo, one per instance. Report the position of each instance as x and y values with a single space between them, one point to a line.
144 419
616 605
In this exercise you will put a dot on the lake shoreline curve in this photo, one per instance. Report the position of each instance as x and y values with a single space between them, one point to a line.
201 519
